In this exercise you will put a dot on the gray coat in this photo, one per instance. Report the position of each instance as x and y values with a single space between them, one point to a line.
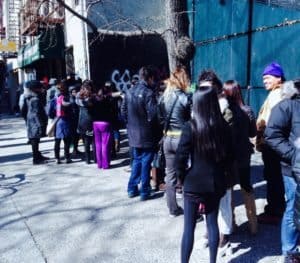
34 113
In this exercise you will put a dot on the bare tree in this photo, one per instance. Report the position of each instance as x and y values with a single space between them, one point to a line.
180 47
85 19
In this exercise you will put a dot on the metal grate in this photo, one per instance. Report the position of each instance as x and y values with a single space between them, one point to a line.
290 4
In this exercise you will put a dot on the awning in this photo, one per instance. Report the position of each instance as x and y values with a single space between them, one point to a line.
28 54
48 45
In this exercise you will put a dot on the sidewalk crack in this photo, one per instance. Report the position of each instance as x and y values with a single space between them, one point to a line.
24 219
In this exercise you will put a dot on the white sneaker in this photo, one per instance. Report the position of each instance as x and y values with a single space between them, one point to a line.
225 250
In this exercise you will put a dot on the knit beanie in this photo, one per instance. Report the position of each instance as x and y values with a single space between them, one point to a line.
274 69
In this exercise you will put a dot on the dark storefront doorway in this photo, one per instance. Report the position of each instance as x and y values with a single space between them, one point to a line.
117 58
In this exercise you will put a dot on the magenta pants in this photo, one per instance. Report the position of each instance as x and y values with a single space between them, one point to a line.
102 135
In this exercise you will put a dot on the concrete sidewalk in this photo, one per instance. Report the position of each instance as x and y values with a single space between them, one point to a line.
78 213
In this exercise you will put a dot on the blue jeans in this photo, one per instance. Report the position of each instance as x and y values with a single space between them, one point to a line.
140 171
289 233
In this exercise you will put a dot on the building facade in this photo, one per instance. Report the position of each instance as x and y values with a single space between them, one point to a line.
76 36
42 51
128 37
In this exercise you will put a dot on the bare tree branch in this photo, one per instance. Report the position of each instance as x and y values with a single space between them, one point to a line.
85 19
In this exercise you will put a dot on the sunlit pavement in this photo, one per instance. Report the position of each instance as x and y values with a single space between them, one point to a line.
78 213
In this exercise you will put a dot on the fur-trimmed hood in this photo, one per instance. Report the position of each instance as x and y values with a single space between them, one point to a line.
289 90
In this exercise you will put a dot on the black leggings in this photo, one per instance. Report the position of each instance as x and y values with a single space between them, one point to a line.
67 143
244 176
75 140
190 218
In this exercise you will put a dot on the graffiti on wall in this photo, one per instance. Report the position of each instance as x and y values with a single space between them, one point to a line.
123 81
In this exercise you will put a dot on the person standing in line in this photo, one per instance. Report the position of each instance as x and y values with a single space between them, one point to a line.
225 216
139 110
282 135
85 99
206 141
102 128
273 78
33 111
134 82
244 127
158 170
63 125
112 97
174 111
73 90
53 90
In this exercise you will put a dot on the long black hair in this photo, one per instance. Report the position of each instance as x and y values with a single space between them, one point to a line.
209 128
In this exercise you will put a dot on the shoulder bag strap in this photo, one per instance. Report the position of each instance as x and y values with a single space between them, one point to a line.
167 123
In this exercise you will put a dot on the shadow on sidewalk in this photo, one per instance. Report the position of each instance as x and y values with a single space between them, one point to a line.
265 244
9 185
15 157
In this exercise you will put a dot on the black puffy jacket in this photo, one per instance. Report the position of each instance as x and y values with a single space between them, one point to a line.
284 128
181 112
139 110
282 134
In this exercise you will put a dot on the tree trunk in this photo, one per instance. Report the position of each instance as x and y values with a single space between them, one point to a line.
177 25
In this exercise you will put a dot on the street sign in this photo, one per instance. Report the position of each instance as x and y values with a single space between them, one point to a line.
7 46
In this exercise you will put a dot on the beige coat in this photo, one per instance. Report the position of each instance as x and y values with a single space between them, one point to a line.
274 97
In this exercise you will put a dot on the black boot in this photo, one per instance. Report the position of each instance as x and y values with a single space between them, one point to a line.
67 144
57 151
42 157
35 152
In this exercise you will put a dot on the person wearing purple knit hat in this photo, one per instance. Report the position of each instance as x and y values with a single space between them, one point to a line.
274 69
273 77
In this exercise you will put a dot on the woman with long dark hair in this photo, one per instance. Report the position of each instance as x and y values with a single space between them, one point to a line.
206 142
244 127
